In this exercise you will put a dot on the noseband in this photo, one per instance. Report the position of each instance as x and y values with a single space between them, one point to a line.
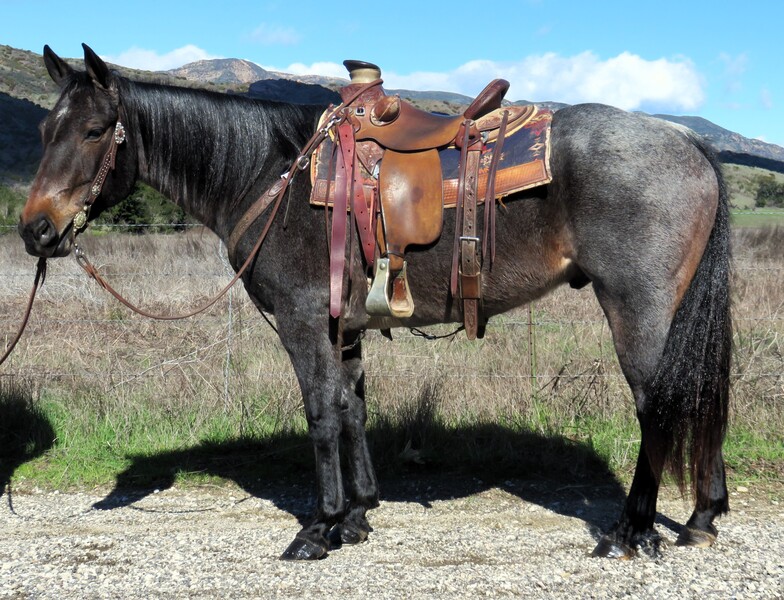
107 164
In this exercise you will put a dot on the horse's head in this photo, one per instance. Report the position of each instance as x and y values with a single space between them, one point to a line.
82 136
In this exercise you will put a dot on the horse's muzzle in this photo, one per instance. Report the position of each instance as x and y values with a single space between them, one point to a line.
41 238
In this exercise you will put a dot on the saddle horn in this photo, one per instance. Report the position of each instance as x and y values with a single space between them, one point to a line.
362 72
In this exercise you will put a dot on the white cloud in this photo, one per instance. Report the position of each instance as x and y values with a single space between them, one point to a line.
734 69
626 81
324 69
150 60
275 35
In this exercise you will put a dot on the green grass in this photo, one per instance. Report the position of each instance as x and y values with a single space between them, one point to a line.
89 445
762 217
754 456
93 445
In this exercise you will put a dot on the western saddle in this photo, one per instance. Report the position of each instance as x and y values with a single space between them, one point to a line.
384 175
391 150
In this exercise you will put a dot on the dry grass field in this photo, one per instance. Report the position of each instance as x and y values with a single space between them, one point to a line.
112 385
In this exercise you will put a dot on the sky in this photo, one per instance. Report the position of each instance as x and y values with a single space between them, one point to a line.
714 59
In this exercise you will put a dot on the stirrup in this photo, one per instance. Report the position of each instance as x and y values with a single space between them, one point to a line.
381 301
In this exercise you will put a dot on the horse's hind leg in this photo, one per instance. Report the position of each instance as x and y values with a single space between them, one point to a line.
712 501
639 321
680 388
635 527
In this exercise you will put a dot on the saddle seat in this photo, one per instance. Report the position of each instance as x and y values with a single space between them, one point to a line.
397 125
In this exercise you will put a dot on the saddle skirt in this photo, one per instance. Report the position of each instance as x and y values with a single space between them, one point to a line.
524 161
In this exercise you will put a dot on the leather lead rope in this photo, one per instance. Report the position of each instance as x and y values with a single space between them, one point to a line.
92 271
40 276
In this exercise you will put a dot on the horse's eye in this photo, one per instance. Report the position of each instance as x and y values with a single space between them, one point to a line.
94 134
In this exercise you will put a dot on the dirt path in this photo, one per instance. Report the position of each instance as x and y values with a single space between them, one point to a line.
518 539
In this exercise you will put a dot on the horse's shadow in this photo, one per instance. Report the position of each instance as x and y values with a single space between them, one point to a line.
567 477
25 432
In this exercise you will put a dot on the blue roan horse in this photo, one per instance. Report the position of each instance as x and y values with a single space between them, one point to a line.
637 208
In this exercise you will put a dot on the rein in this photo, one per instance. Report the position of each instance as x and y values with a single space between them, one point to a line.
40 276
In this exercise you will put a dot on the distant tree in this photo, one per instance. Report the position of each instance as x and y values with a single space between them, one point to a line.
769 193
131 211
11 203
146 207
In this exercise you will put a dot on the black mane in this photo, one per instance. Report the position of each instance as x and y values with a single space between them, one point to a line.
206 149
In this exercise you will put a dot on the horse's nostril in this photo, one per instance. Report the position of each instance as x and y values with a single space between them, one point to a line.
44 231
39 234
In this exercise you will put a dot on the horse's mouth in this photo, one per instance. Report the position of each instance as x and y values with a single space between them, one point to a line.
60 246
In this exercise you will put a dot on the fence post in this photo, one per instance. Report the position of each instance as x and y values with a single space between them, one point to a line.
532 346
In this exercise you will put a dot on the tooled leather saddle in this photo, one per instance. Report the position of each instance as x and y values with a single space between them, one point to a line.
386 164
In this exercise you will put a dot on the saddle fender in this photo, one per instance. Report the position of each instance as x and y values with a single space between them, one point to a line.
410 188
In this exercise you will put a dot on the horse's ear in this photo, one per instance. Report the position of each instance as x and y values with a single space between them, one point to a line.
59 70
96 68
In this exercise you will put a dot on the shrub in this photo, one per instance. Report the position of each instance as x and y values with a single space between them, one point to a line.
769 193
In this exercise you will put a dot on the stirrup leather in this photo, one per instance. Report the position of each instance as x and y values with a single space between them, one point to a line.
389 294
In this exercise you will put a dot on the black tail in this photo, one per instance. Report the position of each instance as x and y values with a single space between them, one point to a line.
689 394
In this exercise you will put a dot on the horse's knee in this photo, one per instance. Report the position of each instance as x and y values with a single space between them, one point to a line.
323 430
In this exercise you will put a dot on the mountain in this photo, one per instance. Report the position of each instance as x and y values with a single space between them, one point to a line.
733 147
224 70
26 93
286 90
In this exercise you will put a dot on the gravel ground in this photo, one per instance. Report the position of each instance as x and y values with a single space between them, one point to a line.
519 539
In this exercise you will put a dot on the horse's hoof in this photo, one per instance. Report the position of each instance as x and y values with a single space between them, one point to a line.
610 548
350 534
346 534
695 538
303 549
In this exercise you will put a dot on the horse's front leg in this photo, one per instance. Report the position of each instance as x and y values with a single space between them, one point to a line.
333 410
362 484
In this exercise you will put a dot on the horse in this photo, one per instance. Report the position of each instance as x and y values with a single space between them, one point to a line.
637 208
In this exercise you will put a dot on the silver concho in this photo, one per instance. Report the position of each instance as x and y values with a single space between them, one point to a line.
119 133
80 220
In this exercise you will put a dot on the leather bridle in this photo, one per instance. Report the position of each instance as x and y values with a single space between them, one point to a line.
96 187
78 225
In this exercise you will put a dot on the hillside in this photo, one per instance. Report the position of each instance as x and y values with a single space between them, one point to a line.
26 92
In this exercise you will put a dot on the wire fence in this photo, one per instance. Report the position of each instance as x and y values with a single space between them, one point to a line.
215 346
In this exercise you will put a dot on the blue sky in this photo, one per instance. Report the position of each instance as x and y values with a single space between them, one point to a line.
718 60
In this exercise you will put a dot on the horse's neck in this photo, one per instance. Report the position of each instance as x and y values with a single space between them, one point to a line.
204 151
